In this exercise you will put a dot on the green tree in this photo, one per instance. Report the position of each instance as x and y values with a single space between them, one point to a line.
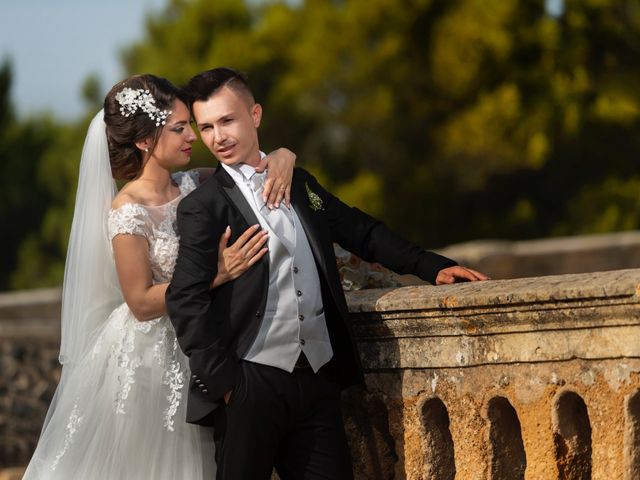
24 198
53 172
449 119
468 118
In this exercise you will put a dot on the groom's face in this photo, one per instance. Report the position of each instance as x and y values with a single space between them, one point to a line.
228 123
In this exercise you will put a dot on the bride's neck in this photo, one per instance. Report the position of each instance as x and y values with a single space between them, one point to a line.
156 177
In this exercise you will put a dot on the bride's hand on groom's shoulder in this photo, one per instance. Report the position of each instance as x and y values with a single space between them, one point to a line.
458 274
277 186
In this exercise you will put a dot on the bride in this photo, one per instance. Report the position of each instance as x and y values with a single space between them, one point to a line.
119 409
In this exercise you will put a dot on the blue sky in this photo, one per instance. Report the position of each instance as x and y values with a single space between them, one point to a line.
55 44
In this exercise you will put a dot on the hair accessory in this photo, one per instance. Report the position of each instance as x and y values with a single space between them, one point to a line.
131 100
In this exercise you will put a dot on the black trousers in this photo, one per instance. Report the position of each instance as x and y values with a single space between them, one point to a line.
290 421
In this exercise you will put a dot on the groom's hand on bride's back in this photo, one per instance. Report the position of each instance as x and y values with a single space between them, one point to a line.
458 274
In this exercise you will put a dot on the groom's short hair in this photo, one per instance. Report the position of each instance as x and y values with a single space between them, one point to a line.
205 84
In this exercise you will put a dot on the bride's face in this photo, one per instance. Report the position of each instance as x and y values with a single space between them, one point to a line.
174 145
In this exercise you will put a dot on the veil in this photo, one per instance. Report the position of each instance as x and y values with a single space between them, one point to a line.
87 433
90 290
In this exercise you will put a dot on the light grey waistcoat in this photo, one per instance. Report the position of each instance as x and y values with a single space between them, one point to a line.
294 316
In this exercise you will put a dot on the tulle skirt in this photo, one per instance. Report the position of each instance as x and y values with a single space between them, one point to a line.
119 412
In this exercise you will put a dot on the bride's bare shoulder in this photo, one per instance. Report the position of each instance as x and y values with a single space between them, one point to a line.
128 194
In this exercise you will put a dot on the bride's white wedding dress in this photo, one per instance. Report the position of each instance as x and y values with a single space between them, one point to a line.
121 414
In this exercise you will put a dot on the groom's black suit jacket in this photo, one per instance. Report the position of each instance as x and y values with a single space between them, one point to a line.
215 328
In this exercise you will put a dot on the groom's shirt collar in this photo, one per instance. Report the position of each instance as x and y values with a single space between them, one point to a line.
241 172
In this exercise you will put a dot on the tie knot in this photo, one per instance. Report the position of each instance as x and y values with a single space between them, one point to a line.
257 181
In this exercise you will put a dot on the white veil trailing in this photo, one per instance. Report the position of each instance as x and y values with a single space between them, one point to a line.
102 424
91 290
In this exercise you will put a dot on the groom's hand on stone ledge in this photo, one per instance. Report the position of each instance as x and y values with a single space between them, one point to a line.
458 274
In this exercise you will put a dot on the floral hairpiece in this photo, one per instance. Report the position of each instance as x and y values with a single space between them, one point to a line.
130 100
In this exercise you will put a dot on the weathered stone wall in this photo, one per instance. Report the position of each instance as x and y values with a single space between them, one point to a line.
533 378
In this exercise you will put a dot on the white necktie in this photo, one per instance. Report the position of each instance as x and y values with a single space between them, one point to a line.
279 219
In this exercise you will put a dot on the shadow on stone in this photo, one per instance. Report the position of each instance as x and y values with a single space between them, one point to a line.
632 436
439 461
376 448
508 457
572 437
366 421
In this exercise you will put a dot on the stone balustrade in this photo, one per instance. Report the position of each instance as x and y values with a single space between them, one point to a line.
533 378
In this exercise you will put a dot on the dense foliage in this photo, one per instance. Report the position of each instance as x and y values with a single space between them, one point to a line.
449 119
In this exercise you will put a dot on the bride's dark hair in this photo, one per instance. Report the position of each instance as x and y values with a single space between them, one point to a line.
123 132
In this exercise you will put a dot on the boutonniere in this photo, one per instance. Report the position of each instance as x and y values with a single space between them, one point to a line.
315 202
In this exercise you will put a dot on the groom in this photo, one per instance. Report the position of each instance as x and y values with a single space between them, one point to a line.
270 351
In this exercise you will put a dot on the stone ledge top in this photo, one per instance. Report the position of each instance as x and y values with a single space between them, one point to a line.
623 285
619 285
30 297
30 306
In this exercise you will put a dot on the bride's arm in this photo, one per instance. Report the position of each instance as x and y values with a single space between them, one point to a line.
146 300
131 254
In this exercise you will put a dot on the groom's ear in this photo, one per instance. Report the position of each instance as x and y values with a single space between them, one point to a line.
256 114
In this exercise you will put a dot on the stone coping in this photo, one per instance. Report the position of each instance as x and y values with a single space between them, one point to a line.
540 319
30 313
615 284
590 316
29 303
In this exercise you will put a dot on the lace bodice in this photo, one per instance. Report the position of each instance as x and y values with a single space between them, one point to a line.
155 223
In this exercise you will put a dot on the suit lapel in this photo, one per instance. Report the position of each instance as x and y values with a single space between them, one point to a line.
235 195
238 199
300 202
